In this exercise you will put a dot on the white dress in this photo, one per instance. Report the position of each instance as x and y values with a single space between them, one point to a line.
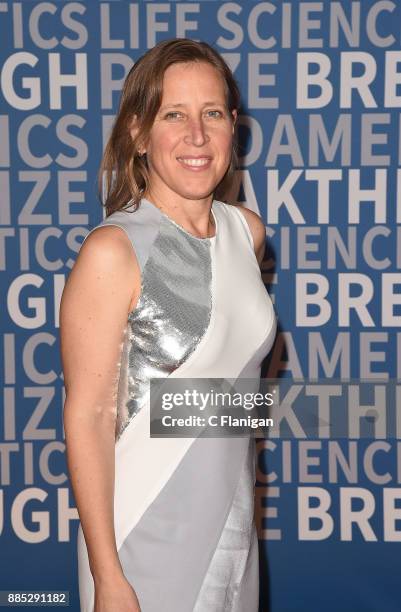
184 507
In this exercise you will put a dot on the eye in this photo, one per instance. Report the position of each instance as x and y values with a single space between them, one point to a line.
214 113
173 115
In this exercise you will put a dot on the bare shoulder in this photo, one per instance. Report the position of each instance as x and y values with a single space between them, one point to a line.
257 229
106 263
105 242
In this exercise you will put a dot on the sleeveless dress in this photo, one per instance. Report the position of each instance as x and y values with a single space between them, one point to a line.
183 507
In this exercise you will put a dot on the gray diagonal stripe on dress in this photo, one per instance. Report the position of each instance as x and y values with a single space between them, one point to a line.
167 554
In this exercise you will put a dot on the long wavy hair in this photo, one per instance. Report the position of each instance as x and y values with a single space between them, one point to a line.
123 174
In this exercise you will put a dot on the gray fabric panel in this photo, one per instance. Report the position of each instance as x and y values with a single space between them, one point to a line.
248 591
235 562
141 226
167 554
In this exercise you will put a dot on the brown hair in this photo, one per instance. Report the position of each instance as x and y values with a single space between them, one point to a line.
123 175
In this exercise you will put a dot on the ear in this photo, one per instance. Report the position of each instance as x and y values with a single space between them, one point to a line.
235 117
133 127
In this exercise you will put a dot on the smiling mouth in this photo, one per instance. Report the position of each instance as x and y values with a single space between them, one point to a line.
195 162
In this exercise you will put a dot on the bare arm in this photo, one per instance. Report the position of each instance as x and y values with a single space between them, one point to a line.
100 291
258 231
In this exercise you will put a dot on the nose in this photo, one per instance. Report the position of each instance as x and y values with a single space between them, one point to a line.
197 133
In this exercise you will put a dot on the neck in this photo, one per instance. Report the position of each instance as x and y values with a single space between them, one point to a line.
194 215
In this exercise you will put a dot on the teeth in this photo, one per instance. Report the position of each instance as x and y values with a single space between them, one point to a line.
194 162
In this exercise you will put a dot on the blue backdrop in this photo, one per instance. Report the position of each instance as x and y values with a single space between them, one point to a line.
320 154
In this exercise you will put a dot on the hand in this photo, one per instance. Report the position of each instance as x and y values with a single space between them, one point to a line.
116 595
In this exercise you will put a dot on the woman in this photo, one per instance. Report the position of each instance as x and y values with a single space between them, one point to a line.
170 287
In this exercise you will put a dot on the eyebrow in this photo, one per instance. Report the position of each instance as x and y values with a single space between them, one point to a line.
180 105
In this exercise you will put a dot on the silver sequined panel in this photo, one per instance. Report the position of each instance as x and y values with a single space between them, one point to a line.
171 316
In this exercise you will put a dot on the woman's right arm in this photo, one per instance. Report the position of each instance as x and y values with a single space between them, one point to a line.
101 289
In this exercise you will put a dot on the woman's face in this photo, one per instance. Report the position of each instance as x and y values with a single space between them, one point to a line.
190 143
